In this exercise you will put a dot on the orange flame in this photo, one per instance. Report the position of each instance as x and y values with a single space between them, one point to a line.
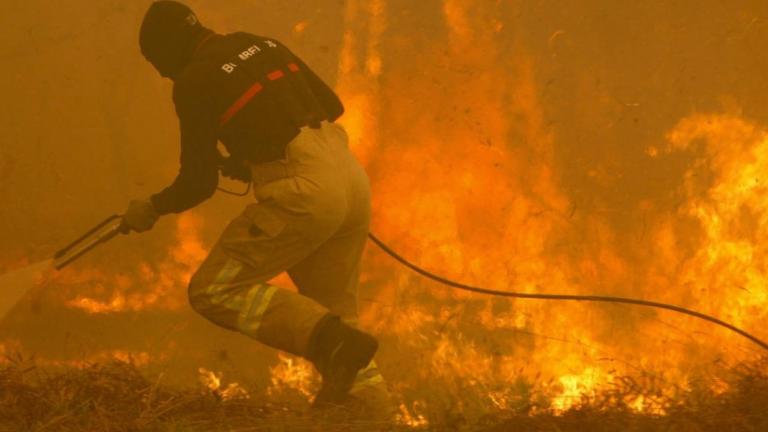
295 374
471 189
158 285
213 382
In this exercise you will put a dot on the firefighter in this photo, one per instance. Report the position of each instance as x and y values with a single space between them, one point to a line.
311 214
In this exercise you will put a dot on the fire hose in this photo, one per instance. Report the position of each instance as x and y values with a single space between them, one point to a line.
112 226
564 297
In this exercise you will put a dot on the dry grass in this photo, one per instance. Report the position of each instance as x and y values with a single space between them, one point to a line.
116 397
742 407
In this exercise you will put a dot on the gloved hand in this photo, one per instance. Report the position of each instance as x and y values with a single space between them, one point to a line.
235 169
140 216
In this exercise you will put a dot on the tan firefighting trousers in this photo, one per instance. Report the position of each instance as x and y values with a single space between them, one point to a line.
311 219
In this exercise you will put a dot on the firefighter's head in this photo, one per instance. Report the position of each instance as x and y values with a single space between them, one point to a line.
167 37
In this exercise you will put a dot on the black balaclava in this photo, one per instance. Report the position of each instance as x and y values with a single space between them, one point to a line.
167 34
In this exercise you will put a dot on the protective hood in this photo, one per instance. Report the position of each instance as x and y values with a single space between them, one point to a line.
168 34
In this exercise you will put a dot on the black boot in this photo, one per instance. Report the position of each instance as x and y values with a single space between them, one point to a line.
339 351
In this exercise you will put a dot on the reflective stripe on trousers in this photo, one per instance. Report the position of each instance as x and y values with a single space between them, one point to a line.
368 377
312 223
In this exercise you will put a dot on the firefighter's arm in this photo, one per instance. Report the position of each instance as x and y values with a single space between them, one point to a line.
196 181
198 174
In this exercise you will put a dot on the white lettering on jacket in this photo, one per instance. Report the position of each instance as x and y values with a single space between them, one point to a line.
253 49
228 67
245 55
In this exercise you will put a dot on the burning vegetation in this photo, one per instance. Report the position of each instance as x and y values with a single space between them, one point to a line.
485 170
115 396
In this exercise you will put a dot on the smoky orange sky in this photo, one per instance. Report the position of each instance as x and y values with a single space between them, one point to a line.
586 146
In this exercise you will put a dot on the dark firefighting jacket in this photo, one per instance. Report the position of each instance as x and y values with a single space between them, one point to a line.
248 92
